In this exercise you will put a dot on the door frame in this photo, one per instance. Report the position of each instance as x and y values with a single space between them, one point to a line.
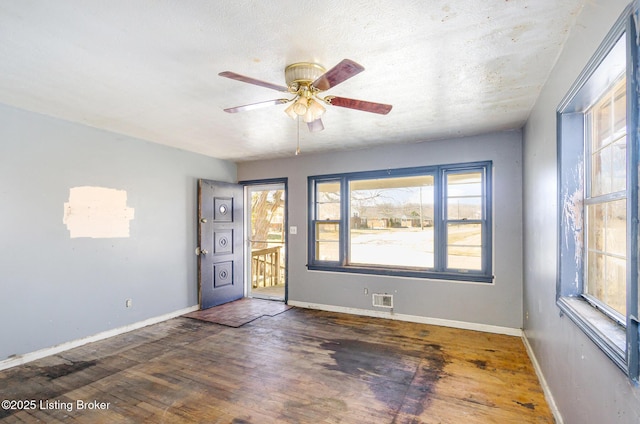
247 275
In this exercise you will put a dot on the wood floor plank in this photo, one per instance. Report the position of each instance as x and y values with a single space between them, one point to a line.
300 366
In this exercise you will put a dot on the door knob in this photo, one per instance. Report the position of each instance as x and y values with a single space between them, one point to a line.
201 251
203 220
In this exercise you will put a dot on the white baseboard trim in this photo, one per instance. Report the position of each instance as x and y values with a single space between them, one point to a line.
32 356
543 382
411 318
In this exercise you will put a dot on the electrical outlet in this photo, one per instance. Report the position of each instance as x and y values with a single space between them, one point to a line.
366 291
293 230
128 303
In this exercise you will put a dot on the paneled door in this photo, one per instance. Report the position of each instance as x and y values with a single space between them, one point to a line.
220 242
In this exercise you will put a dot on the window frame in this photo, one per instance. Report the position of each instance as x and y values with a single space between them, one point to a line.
439 271
618 341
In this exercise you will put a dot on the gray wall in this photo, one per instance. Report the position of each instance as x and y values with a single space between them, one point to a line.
586 385
54 288
498 304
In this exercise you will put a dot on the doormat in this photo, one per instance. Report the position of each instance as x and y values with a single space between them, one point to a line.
240 312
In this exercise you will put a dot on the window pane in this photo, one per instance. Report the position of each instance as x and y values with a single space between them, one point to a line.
464 208
616 284
327 251
328 200
619 165
620 109
407 247
327 231
328 211
608 151
328 192
596 275
327 241
616 228
606 260
602 124
601 172
464 193
471 259
607 281
464 246
392 221
596 234
467 184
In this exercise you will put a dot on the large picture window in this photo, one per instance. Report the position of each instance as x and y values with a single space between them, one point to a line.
598 198
391 221
430 222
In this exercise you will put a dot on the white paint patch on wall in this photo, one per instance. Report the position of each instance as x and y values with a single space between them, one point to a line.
97 212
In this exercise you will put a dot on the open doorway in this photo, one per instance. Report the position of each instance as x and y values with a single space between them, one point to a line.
267 239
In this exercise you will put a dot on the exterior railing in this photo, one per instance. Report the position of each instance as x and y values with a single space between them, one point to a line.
266 269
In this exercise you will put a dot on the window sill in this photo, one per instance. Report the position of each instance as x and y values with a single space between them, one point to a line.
457 276
605 332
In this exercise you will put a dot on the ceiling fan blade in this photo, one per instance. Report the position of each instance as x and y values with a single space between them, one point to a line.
339 73
360 105
315 126
242 78
256 105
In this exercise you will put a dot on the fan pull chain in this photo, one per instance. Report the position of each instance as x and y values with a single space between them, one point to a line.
298 127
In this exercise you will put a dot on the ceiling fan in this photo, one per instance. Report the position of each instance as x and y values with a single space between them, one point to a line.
305 81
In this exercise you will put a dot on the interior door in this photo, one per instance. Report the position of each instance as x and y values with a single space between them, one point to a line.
220 240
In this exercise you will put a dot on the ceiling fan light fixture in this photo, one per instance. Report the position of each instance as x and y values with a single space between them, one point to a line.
303 73
289 111
308 117
317 108
301 105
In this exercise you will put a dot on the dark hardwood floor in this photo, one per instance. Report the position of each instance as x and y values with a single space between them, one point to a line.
300 366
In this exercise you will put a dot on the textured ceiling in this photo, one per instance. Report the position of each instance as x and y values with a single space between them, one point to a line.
149 68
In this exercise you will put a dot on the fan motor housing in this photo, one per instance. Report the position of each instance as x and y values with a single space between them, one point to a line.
302 74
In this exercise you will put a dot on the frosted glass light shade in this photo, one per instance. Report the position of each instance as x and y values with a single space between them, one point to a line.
289 111
300 106
316 108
